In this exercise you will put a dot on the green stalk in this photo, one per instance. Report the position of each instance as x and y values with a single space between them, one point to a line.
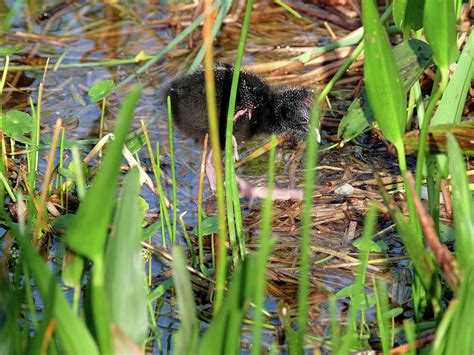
155 165
199 207
163 207
60 179
403 169
233 201
216 148
34 147
420 161
261 267
312 145
101 124
173 172
341 71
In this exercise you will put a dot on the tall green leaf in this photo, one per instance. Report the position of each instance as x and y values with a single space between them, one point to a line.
88 230
440 30
408 14
124 268
383 81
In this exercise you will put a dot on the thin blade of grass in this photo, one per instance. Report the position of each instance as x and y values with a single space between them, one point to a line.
311 157
216 148
261 267
186 338
233 201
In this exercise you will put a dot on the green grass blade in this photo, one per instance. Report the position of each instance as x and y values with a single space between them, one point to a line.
233 202
421 259
186 338
381 302
223 11
455 333
173 172
311 157
261 267
452 104
358 297
224 333
463 205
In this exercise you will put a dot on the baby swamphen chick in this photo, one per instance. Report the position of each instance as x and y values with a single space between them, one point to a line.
258 110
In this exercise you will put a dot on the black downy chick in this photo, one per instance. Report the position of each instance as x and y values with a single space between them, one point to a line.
258 110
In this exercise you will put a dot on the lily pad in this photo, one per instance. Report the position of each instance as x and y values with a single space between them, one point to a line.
101 90
17 123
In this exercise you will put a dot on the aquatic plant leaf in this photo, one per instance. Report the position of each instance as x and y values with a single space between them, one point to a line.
412 57
408 14
385 91
17 123
135 143
101 90
124 266
440 30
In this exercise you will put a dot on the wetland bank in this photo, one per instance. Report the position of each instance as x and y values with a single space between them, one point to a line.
89 256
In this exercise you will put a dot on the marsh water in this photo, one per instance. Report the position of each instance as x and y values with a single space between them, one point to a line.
81 36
